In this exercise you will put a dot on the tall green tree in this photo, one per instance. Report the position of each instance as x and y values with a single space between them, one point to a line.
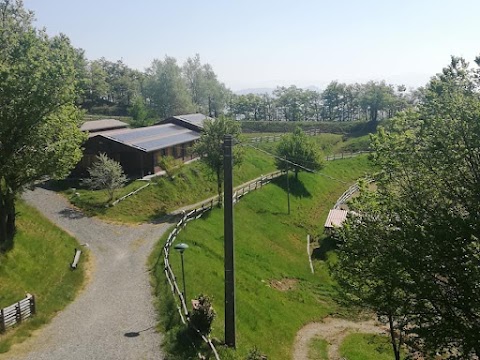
210 146
430 174
166 89
39 123
299 149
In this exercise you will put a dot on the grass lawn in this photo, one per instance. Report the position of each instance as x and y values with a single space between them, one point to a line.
366 347
318 349
276 292
38 264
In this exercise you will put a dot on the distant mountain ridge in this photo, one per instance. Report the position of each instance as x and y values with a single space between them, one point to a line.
269 90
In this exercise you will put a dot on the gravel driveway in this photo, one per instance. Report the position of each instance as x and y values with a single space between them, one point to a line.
113 317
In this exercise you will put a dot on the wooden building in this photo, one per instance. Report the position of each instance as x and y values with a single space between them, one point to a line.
138 150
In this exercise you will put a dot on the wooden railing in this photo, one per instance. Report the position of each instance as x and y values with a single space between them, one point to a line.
16 313
348 194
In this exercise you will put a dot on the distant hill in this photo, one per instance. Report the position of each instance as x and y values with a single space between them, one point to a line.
269 91
257 91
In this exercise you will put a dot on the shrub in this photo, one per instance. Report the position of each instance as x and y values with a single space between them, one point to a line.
202 315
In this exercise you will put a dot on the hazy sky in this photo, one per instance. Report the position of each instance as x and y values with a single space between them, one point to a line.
264 43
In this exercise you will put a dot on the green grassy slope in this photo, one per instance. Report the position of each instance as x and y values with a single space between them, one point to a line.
38 264
276 292
193 184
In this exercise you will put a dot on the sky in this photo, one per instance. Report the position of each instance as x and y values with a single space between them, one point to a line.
269 43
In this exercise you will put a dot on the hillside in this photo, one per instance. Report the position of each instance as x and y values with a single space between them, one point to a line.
276 292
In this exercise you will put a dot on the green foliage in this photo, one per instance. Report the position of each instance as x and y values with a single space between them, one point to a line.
39 132
139 113
171 166
298 148
366 347
424 219
202 316
38 264
166 88
105 174
210 146
270 251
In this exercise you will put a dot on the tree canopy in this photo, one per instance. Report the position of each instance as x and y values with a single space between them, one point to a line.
210 146
39 132
299 149
428 195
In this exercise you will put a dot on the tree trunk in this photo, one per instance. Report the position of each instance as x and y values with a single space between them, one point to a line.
7 220
296 173
396 348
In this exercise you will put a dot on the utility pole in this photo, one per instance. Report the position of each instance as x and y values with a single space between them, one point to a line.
229 263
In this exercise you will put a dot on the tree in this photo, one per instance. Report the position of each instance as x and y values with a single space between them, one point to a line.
297 148
367 269
39 123
166 89
105 174
430 176
210 146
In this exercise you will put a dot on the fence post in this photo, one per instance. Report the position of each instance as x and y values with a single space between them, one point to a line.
33 307
2 321
19 313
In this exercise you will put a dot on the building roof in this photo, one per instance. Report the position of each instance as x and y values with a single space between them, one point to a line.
335 218
102 125
152 138
195 120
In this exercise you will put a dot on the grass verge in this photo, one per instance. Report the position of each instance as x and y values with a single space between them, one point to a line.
318 349
366 347
38 264
276 292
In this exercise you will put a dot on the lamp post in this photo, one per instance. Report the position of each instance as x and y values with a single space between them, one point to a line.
181 248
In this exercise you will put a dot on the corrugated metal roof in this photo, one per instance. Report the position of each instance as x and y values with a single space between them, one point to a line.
104 124
152 138
335 218
195 119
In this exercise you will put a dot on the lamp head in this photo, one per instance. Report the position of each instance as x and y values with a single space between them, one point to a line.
181 247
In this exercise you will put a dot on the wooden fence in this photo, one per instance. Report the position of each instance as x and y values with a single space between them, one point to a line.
348 194
274 138
129 194
193 214
345 155
16 313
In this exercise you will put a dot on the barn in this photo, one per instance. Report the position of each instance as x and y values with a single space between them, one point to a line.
138 150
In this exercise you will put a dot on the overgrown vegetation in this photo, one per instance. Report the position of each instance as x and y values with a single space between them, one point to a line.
38 264
276 292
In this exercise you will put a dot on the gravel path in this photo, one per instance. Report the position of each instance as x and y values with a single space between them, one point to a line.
113 317
333 331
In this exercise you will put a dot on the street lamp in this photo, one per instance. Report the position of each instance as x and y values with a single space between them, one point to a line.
181 248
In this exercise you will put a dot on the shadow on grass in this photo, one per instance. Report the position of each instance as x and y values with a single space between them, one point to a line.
326 244
297 188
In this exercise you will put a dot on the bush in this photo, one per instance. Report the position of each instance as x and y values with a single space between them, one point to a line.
202 315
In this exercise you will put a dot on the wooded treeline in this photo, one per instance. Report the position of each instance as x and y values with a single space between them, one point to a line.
168 88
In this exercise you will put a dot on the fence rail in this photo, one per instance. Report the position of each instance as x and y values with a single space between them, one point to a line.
349 193
129 194
193 214
16 313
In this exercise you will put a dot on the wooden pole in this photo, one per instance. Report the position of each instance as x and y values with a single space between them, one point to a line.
229 263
